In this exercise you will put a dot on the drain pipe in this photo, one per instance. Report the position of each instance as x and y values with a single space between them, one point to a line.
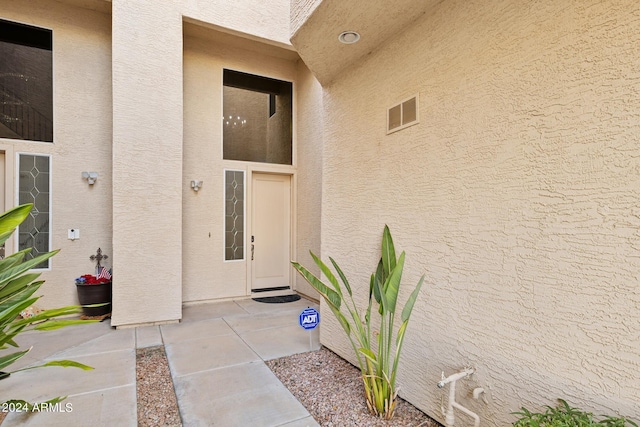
451 380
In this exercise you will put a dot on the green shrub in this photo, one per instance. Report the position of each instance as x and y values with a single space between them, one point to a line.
566 416
378 369
17 289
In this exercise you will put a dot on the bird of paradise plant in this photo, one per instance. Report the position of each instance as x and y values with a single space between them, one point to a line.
17 287
378 368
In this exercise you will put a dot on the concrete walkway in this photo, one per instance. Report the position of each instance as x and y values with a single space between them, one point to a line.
216 355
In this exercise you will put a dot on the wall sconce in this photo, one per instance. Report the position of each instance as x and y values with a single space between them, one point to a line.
196 184
90 177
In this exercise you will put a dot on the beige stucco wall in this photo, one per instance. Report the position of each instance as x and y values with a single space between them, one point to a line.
517 195
206 275
280 131
119 111
309 176
147 161
264 20
82 140
300 11
149 201
246 142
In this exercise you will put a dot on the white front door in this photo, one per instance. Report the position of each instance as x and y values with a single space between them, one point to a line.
270 231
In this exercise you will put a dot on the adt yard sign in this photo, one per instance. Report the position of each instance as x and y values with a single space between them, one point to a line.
309 318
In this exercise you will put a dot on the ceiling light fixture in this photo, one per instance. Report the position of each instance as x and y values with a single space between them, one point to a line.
348 37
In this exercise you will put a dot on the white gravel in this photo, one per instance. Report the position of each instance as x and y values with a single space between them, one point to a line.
157 404
332 391
328 386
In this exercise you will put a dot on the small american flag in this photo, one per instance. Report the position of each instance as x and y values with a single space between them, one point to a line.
104 274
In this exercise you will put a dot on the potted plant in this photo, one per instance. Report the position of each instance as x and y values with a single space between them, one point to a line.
94 291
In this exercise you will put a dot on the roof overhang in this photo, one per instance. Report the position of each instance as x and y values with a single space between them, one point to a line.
316 39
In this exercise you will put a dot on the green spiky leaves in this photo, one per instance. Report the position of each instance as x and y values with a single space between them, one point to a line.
17 290
377 358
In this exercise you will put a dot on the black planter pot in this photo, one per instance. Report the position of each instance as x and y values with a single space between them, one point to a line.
95 294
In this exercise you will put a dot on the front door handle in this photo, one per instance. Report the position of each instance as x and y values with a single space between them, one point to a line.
253 239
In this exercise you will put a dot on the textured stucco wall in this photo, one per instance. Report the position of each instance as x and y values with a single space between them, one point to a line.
245 142
82 140
147 161
280 131
205 273
266 20
517 194
119 111
300 12
309 176
317 26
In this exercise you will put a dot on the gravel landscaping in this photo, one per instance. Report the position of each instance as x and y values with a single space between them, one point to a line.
332 391
157 404
328 386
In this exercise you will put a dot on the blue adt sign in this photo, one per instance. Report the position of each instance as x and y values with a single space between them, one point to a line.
309 318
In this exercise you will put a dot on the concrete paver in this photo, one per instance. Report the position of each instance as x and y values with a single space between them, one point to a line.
280 342
112 369
253 307
148 336
48 343
248 394
257 322
180 332
302 422
207 353
111 407
216 356
113 340
193 313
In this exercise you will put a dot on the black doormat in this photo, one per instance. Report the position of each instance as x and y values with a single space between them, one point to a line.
278 299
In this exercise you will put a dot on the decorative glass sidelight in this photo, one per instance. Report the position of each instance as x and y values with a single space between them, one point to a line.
34 187
234 215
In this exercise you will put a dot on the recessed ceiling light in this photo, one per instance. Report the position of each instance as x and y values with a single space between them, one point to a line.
348 37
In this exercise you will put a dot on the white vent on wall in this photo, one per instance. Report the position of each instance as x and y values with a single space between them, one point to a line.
403 115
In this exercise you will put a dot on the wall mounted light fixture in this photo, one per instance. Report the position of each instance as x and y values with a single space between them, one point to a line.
196 184
91 177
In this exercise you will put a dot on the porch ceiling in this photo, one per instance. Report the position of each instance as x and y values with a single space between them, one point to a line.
376 21
237 40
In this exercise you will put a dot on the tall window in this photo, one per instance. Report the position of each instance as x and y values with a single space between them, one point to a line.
257 119
233 215
34 187
26 88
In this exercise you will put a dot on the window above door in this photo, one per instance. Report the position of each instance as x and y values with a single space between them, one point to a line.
26 88
257 119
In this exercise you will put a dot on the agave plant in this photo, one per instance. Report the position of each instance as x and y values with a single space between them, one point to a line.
379 367
17 289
